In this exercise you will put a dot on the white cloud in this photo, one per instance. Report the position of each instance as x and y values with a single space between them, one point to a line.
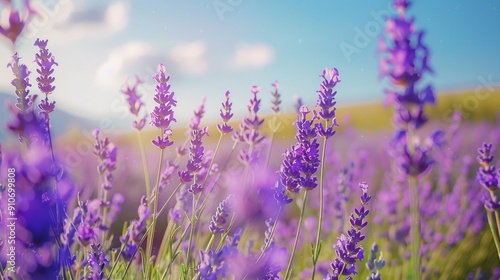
140 58
65 22
129 59
190 57
252 56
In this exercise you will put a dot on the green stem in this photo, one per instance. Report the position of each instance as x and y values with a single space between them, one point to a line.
494 231
193 225
144 165
415 227
149 247
210 243
290 262
268 156
317 246
497 215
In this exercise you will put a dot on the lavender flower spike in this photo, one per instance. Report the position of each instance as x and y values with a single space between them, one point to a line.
220 219
347 248
21 82
135 230
487 174
45 61
276 98
135 104
163 114
374 264
226 115
106 153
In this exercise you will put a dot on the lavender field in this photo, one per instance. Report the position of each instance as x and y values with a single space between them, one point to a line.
266 186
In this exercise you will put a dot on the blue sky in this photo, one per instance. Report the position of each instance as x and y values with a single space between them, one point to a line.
210 46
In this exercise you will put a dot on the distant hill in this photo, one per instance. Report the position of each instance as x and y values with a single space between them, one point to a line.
61 122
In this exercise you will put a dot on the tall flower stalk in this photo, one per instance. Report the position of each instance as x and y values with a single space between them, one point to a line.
275 123
135 105
299 168
161 118
488 177
326 102
404 62
347 248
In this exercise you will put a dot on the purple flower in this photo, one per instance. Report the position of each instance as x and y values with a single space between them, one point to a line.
298 104
308 149
166 175
194 124
347 248
90 225
374 264
29 126
163 114
220 219
135 231
16 24
106 153
276 97
45 61
405 61
180 208
21 82
96 262
326 95
115 207
249 129
226 115
194 164
289 172
487 174
135 104
133 99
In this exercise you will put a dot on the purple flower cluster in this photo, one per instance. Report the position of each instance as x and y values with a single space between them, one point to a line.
90 226
347 247
326 102
195 121
195 162
276 101
301 161
16 24
226 115
132 237
487 176
45 61
96 262
215 263
249 129
220 218
135 104
21 82
405 61
106 153
163 114
374 264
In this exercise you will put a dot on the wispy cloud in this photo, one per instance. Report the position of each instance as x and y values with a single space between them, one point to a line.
67 22
129 59
252 56
190 57
140 58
